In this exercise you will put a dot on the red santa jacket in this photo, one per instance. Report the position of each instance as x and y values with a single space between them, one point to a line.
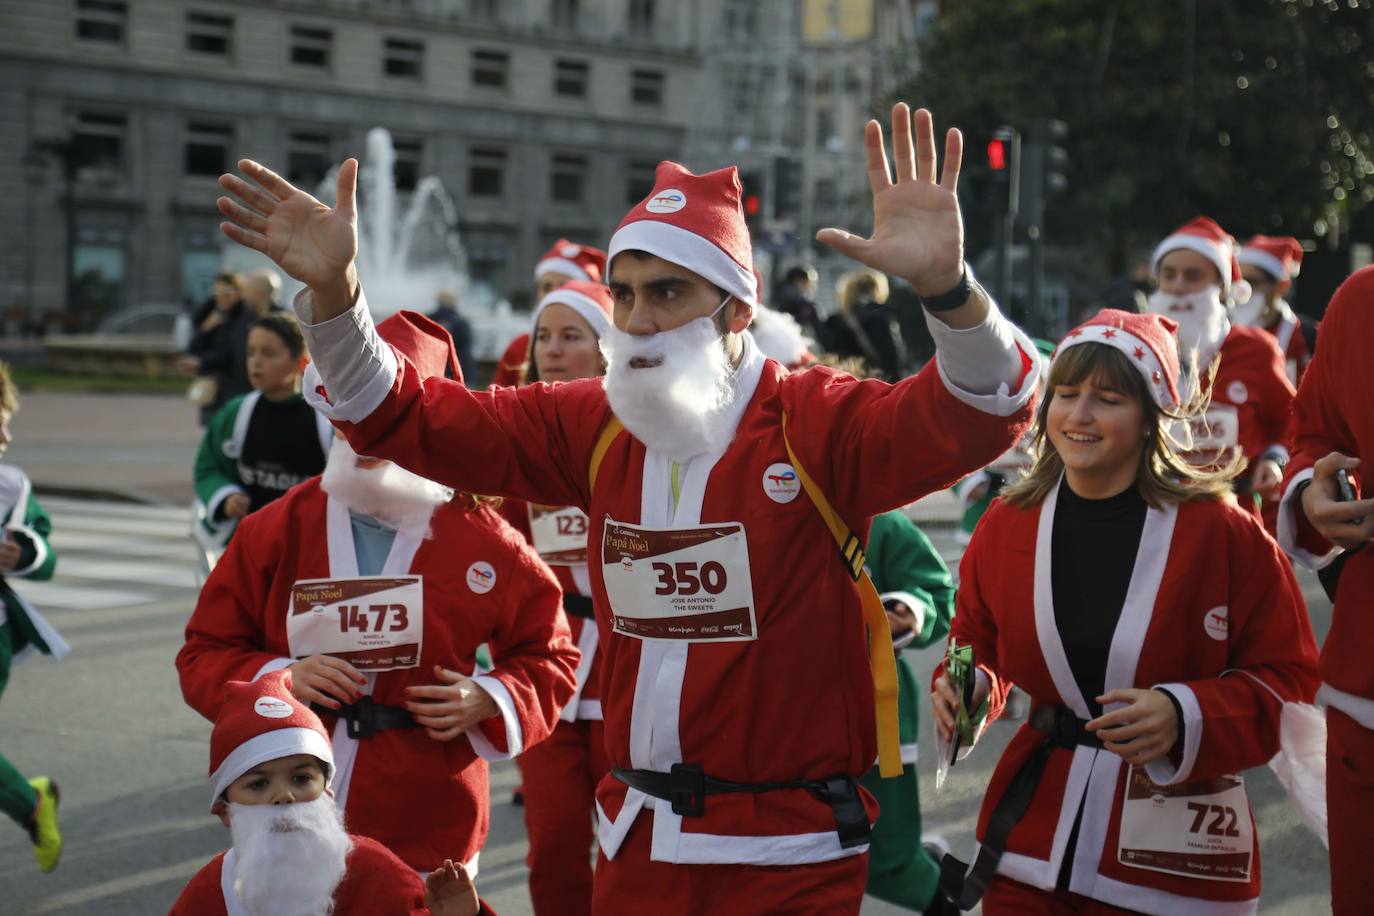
514 363
1334 412
575 580
1292 337
1252 398
424 799
1211 597
375 884
796 701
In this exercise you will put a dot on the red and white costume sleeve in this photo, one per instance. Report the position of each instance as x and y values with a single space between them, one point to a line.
439 809
749 711
1288 334
1210 597
1252 397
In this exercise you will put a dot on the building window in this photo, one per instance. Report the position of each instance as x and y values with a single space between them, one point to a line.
646 87
570 78
98 141
207 33
207 148
565 15
490 69
639 180
405 170
310 46
641 18
488 255
403 58
485 10
487 172
200 261
568 178
307 159
97 275
102 20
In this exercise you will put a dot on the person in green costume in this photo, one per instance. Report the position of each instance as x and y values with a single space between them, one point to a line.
25 552
918 592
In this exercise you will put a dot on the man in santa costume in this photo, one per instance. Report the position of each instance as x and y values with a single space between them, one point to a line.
563 262
1333 430
375 587
1251 397
1269 264
271 765
738 701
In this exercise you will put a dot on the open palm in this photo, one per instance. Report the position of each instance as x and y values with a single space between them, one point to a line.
310 241
918 233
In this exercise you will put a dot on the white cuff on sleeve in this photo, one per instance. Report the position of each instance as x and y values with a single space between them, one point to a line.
1288 527
918 607
515 735
351 363
40 550
1163 771
275 664
979 365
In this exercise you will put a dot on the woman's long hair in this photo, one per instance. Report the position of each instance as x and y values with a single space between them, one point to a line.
1164 475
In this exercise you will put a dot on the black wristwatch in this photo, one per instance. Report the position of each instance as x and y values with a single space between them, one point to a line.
948 301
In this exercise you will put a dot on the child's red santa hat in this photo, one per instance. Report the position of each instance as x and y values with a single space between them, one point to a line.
1280 256
590 300
696 222
423 341
580 262
1205 236
261 721
1149 341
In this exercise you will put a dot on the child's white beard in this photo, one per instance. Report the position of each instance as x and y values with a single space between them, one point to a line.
681 406
388 492
289 859
1202 323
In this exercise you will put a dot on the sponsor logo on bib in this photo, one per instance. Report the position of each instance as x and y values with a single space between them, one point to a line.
1217 623
781 483
271 708
1236 392
669 200
481 577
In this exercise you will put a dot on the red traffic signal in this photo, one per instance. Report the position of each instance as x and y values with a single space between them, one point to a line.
997 154
751 205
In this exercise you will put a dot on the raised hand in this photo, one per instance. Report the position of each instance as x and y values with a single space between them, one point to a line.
449 892
313 243
918 233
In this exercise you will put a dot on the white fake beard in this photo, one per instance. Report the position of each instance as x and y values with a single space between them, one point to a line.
681 406
1251 311
1202 322
289 859
778 336
388 492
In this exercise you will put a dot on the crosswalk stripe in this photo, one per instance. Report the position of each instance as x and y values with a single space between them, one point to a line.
67 542
63 505
49 595
131 526
127 572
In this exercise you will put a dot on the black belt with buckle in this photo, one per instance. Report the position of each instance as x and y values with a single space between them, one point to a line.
365 718
578 606
685 786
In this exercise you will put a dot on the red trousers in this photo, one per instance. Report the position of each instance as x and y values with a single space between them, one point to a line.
1349 812
632 885
1005 896
560 775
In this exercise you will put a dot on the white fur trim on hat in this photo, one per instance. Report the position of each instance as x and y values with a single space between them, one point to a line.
582 305
687 249
1148 364
271 745
570 269
1219 255
1258 257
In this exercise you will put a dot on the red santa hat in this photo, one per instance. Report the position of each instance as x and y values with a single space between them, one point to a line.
590 300
580 262
424 342
1149 341
694 221
261 721
1280 256
1205 236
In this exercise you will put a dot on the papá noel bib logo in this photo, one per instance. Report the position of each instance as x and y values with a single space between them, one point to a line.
271 708
481 577
781 483
669 200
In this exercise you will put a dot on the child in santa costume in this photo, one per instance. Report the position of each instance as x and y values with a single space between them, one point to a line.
563 263
1270 264
737 694
1251 397
260 444
1157 630
560 774
25 554
375 587
1333 430
271 765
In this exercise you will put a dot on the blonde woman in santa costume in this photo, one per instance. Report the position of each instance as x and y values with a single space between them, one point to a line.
560 774
1169 628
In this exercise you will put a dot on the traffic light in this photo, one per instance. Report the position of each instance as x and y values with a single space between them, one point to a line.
1004 167
787 187
1046 163
750 199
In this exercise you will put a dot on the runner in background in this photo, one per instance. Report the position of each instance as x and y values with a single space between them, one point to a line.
564 262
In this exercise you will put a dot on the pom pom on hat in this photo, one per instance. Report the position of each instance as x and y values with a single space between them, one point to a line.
261 721
580 262
1280 256
1149 341
1205 236
423 341
590 300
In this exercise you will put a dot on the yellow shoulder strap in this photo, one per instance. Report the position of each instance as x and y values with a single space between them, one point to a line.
881 659
612 429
